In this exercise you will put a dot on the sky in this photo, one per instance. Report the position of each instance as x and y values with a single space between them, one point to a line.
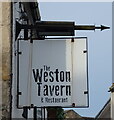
99 45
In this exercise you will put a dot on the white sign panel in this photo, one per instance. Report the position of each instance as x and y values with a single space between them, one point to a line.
53 72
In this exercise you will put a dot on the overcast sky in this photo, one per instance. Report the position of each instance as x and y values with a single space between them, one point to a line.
99 45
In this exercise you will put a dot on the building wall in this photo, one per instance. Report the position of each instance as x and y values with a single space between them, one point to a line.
112 106
105 112
16 113
72 114
0 62
5 42
17 16
9 12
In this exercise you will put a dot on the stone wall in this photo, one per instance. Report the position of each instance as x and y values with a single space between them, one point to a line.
5 53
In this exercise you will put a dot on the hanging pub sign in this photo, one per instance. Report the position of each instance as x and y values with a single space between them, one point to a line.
53 72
